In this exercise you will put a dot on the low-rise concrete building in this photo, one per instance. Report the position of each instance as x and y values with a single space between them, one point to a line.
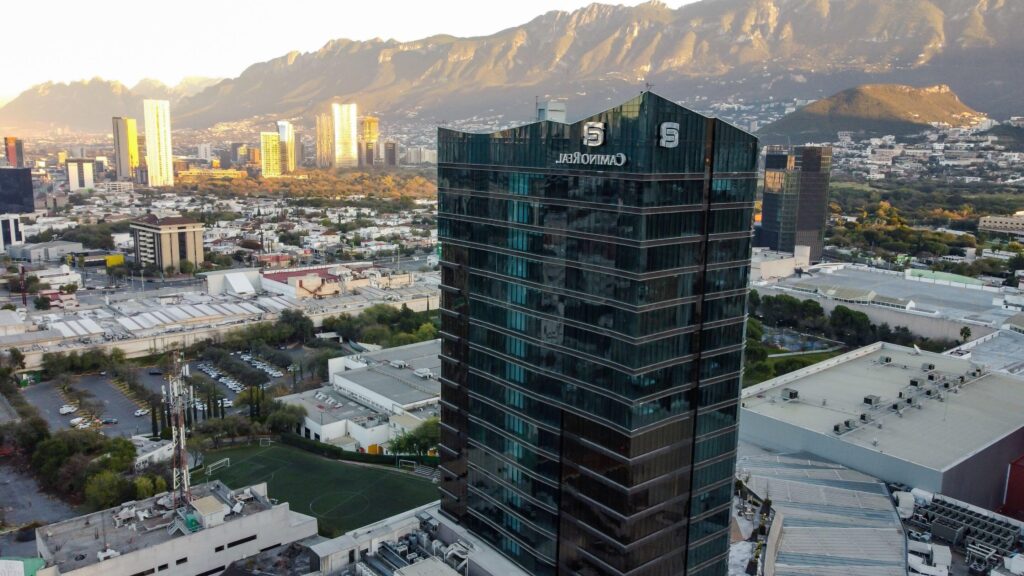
219 526
930 421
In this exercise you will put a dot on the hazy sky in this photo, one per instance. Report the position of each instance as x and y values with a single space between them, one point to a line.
128 40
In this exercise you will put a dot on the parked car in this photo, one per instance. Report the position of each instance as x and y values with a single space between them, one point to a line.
142 411
68 409
155 372
77 421
108 421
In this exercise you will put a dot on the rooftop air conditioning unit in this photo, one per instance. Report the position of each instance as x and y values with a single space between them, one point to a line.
872 400
838 428
915 382
896 406
927 367
864 417
933 377
850 424
886 359
790 394
397 363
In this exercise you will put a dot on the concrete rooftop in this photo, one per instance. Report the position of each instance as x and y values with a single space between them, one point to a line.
936 433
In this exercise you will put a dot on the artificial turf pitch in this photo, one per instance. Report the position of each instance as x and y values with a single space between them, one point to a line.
342 496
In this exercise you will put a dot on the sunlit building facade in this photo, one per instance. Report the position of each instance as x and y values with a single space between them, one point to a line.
594 289
126 148
159 153
270 154
324 141
346 135
286 146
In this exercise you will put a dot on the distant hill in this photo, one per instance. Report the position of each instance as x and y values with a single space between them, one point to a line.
872 110
1009 136
88 105
599 55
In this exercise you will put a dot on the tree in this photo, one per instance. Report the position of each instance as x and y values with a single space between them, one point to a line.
965 333
186 267
143 487
851 327
69 288
105 489
418 441
41 303
285 417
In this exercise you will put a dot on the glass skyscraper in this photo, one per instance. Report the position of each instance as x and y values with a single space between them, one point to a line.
594 289
795 199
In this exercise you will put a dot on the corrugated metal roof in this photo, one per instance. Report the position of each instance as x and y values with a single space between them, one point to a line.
834 521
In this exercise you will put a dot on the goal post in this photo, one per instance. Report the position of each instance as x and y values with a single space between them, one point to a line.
222 463
266 441
407 464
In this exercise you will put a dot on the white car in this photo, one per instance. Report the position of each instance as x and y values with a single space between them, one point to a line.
142 411
77 421
68 409
228 403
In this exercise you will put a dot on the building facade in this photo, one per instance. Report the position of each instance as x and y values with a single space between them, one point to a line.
270 154
369 135
594 285
10 231
126 147
159 153
14 151
795 208
80 173
17 195
286 138
165 242
324 141
346 135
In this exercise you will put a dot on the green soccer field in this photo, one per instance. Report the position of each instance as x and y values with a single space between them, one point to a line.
342 496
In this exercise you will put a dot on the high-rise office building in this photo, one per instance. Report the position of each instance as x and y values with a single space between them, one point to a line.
324 141
286 146
270 154
80 173
17 195
126 147
391 153
159 154
346 135
795 204
205 151
14 151
369 135
594 289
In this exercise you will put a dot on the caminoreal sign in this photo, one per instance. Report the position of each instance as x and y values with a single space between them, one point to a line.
592 159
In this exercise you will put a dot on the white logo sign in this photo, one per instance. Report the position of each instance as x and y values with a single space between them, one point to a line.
593 133
669 135
592 159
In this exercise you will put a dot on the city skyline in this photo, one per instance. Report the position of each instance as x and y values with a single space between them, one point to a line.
295 30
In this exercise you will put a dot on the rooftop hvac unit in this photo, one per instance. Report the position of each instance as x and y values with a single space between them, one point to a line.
927 367
397 363
896 406
790 394
850 424
929 392
886 359
946 385
961 379
872 400
915 382
838 428
933 377
864 417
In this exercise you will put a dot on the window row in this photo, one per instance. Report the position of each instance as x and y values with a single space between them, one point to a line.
589 252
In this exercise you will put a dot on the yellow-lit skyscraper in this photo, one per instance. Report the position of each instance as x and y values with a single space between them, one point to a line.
369 134
159 154
270 154
126 147
286 145
346 135
324 141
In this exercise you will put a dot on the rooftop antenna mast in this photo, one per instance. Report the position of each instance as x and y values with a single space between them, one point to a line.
178 399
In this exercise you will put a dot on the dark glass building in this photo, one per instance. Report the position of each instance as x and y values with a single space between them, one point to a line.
794 210
16 193
594 290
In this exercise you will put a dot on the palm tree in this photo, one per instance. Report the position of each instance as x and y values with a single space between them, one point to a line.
965 333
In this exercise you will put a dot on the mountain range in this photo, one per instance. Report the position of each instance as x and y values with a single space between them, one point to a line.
599 55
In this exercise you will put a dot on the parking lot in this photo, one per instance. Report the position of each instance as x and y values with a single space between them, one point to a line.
47 399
